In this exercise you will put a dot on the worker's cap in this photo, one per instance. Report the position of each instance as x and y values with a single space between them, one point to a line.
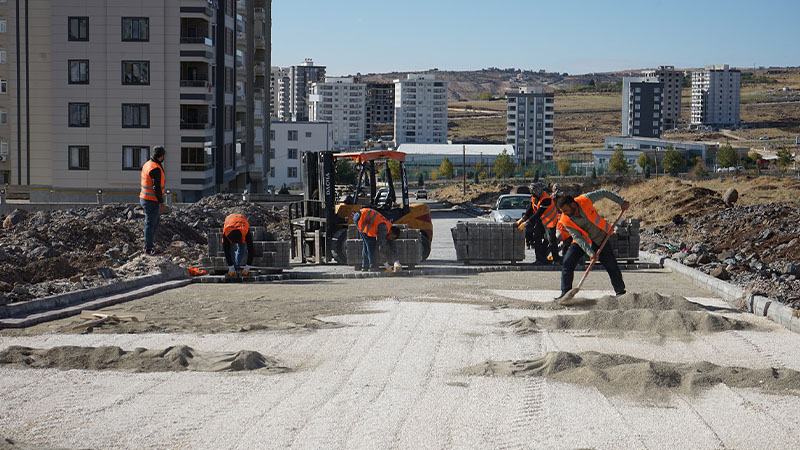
537 189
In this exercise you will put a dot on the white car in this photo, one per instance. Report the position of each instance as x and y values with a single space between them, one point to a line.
510 207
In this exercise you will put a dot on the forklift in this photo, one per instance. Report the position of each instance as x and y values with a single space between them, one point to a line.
318 224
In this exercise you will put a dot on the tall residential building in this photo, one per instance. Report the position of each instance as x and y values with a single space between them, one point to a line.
301 78
420 110
715 96
279 86
529 124
96 85
289 140
641 107
380 109
671 95
342 102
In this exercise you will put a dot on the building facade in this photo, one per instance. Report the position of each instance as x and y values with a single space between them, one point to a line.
671 94
642 106
342 103
301 77
529 124
380 109
279 86
289 140
715 96
96 85
420 110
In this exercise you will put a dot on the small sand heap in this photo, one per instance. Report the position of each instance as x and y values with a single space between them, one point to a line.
632 300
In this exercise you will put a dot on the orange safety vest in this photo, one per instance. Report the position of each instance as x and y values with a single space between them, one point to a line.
147 191
370 220
591 214
236 222
550 216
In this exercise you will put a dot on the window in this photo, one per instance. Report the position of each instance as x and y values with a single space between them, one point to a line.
308 134
135 115
272 172
272 153
78 29
135 29
229 118
135 72
78 71
228 79
133 157
3 25
78 157
3 86
228 41
195 159
291 172
292 135
2 56
229 156
78 114
271 135
3 116
292 154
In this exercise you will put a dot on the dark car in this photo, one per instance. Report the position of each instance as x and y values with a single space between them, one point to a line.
421 193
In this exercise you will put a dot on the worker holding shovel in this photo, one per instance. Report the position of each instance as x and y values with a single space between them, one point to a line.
589 231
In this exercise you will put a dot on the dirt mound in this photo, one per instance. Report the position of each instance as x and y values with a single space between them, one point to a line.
664 323
626 375
477 193
633 300
170 359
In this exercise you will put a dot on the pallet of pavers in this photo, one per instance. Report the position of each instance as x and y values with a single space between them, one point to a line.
488 241
625 241
409 247
270 255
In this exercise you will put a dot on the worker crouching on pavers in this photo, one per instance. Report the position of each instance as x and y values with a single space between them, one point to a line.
151 197
542 215
237 231
588 230
377 233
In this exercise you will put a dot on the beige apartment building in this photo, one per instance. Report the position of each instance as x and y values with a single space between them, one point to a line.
89 87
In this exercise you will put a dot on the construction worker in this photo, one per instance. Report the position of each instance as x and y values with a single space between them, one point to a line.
588 229
542 215
151 197
237 231
377 233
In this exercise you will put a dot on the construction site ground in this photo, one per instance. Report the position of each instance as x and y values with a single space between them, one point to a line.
457 361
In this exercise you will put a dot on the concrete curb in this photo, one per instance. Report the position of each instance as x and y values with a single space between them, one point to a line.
756 304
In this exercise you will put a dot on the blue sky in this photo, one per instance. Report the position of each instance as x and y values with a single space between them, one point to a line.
577 36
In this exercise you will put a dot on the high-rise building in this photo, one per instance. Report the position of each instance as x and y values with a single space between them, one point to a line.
279 86
96 85
342 102
380 109
715 96
289 140
671 95
420 110
641 107
301 77
529 123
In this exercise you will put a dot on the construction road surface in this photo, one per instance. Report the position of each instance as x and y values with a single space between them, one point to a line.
385 367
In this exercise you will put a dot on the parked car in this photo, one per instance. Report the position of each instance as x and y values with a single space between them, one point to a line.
763 138
421 193
510 207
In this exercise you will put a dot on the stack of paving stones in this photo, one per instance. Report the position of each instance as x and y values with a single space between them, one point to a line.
488 241
408 245
625 241
269 252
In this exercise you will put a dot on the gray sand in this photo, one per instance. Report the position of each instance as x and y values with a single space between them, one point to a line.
170 359
632 300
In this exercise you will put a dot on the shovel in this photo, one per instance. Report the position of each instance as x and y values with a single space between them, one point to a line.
572 292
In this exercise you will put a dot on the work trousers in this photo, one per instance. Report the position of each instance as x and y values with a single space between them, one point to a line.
544 237
151 220
607 258
238 254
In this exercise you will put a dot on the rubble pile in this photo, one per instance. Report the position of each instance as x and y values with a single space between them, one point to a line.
756 247
51 252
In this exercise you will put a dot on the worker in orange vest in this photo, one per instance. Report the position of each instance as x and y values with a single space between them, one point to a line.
588 229
542 216
151 197
237 231
377 233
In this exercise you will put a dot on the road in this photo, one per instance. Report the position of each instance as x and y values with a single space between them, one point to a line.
392 376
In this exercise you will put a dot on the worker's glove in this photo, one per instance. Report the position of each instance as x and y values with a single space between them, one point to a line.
231 271
521 226
397 266
246 270
387 267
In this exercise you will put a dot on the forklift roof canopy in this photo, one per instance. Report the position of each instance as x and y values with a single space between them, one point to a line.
372 155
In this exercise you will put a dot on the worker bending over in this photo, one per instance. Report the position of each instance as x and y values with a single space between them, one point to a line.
543 216
588 229
237 231
378 234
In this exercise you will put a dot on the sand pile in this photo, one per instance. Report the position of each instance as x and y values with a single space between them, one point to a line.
632 300
665 323
171 359
625 375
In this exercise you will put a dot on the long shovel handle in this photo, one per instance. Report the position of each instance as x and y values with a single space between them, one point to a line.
597 253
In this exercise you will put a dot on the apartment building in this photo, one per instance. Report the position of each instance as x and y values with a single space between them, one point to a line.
529 124
301 77
96 85
342 103
289 140
279 86
715 96
671 95
380 109
420 110
641 107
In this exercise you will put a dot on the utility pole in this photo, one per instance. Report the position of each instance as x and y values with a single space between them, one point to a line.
464 166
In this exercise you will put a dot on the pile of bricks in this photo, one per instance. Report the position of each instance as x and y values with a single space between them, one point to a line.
409 247
488 241
625 241
269 252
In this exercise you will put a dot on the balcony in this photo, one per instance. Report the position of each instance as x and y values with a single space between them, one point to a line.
195 126
259 68
259 13
196 84
260 41
197 7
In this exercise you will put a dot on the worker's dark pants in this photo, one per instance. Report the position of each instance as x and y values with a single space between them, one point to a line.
369 253
607 258
543 235
151 220
237 256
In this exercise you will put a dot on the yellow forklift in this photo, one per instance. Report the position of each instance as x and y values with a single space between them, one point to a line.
318 224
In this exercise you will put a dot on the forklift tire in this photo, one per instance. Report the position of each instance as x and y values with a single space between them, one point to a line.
426 247
339 246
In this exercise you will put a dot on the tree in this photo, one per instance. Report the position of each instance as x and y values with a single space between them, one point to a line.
784 159
394 169
726 156
644 161
480 166
594 173
672 162
503 165
618 164
345 172
529 173
647 172
536 176
564 166
699 170
446 169
421 180
482 175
